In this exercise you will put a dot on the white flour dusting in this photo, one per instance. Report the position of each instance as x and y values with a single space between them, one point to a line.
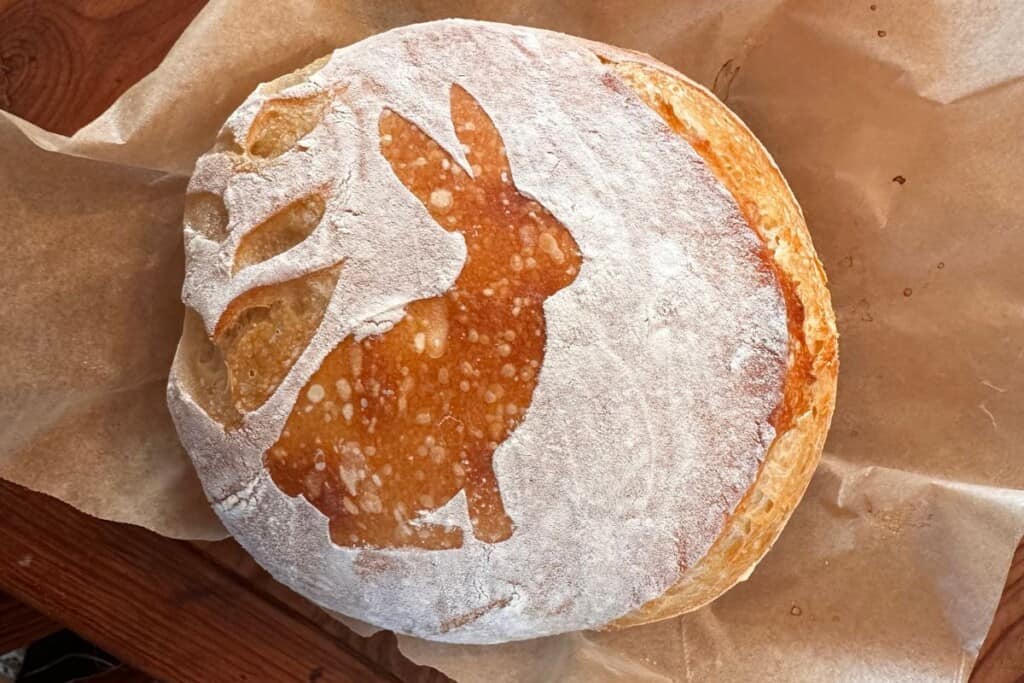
647 425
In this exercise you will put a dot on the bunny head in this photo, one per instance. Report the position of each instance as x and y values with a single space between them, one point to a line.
512 241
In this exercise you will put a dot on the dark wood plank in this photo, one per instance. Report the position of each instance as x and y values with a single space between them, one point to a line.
1002 655
380 648
63 62
21 625
158 604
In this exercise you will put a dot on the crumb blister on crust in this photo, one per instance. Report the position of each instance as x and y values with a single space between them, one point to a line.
664 362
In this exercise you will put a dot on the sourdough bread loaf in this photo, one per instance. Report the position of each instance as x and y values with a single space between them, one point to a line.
495 333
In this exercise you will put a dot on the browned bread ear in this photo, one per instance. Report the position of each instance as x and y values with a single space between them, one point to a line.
263 332
279 233
282 122
255 344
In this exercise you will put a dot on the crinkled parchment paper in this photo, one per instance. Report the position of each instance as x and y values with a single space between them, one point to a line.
898 126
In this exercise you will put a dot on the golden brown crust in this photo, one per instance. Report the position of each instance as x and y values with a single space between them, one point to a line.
802 419
746 170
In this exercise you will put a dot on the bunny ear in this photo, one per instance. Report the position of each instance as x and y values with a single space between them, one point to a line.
485 150
429 172
422 165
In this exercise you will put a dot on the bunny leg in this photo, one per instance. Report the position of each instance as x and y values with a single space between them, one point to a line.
491 524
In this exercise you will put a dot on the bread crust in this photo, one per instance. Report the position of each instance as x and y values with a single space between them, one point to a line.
249 502
747 171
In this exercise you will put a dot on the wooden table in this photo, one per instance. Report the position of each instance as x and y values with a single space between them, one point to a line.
179 611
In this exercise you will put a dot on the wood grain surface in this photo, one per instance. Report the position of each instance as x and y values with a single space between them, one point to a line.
62 63
20 625
164 607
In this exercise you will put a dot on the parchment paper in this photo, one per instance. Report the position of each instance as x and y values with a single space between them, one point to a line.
898 126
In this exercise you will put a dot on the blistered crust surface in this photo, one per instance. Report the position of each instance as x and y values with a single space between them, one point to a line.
664 359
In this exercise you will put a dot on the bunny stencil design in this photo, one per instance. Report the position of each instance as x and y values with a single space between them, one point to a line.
409 418
393 426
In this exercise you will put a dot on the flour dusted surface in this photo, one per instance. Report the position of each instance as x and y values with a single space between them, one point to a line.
664 358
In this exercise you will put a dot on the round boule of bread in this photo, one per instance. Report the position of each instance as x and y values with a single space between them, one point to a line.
495 333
